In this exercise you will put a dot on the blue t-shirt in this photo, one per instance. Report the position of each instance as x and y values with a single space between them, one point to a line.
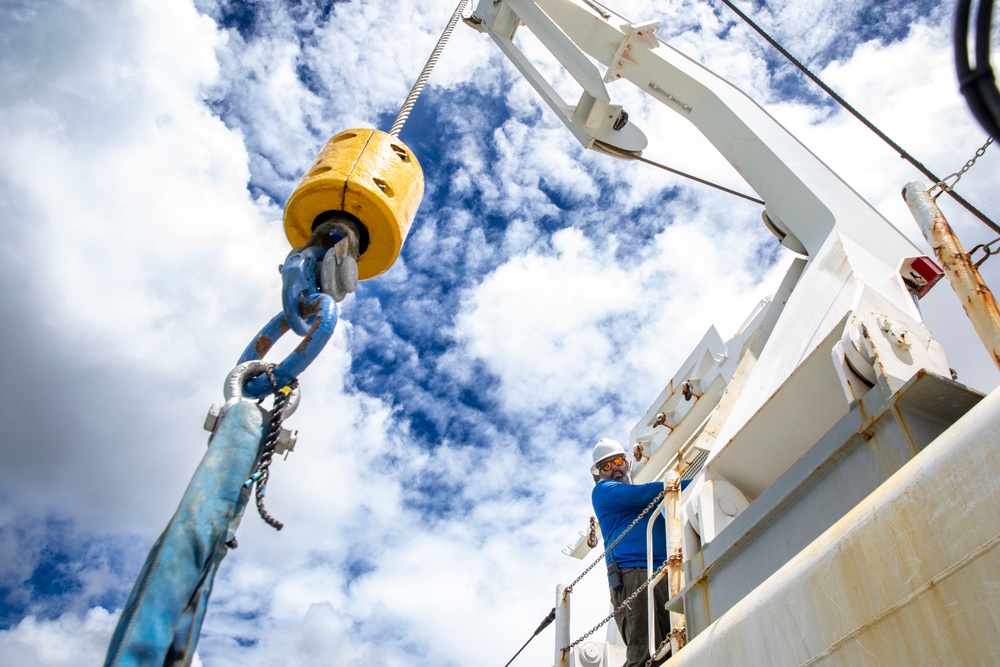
617 505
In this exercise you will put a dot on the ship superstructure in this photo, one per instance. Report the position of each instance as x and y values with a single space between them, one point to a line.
832 456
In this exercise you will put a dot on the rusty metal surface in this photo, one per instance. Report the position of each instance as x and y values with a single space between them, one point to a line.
866 447
908 577
975 297
562 657
676 569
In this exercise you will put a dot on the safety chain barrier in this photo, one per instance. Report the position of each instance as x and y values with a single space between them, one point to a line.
656 501
657 574
677 632
659 571
592 534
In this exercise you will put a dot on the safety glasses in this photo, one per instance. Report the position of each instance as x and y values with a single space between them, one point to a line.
617 461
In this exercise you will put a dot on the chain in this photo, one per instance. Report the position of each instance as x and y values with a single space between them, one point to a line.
987 249
656 574
662 644
592 535
945 186
624 604
263 471
656 500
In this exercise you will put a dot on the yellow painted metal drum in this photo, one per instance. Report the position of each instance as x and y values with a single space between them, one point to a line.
370 175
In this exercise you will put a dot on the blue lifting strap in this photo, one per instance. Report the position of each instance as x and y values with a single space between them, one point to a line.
161 621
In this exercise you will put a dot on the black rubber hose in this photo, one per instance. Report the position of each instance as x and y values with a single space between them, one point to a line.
987 84
977 85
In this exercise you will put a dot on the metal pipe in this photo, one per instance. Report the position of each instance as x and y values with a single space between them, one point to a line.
563 640
675 554
975 297
650 569
671 506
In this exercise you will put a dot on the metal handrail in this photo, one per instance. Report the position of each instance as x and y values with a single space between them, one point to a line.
650 600
673 547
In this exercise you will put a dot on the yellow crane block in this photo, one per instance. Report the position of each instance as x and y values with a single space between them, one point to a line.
370 175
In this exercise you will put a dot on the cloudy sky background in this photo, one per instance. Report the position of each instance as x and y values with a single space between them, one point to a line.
543 298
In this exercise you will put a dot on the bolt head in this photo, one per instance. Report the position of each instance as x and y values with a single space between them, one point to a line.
286 440
212 418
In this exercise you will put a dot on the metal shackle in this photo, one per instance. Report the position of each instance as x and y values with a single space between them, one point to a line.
246 371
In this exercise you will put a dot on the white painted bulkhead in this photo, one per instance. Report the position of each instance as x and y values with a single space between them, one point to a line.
910 576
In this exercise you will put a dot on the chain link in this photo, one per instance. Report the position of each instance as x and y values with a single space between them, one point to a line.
988 251
945 186
675 632
592 535
263 471
662 644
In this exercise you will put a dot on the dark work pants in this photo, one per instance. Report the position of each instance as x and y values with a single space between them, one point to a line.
632 622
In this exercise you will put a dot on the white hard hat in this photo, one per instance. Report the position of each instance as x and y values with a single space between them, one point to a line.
606 448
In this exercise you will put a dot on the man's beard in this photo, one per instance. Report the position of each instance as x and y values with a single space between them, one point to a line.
622 476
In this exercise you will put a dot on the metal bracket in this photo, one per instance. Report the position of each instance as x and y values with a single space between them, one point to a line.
639 32
593 117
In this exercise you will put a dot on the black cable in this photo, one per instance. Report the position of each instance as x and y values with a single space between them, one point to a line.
842 102
969 78
623 154
987 85
977 84
698 180
544 624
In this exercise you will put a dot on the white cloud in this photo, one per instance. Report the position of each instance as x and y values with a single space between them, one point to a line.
570 327
66 641
126 208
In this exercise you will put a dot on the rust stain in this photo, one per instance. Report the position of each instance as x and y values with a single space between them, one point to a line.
976 298
305 343
262 345
309 309
703 585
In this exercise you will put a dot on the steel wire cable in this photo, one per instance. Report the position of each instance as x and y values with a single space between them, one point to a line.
541 626
623 154
411 99
696 179
857 114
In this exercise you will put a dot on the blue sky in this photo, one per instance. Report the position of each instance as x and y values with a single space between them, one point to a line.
544 296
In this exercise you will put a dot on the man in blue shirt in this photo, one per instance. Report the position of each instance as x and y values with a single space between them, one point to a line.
617 502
